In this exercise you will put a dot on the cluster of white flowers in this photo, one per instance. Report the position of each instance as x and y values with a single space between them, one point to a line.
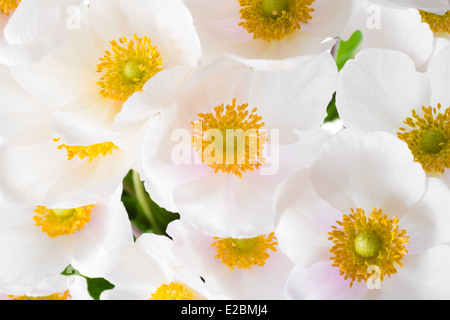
220 109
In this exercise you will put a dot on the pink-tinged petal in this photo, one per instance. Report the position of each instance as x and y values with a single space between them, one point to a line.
321 281
305 221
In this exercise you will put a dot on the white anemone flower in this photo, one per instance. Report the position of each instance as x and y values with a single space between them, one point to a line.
365 223
37 243
117 48
232 134
39 167
32 29
434 6
233 268
258 30
381 90
388 26
147 270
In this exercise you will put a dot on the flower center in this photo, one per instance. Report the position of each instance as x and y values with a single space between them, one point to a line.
56 296
128 68
8 5
173 291
438 23
245 253
90 152
428 138
58 222
367 244
275 7
274 19
230 140
360 242
432 140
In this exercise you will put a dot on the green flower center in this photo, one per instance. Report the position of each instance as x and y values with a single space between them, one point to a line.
133 71
432 141
367 244
274 8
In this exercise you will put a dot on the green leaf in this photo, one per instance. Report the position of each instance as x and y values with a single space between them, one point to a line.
332 113
97 285
346 49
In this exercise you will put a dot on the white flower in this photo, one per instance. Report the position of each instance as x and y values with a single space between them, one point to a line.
268 30
117 48
237 269
38 242
381 90
365 223
434 6
231 193
147 270
388 26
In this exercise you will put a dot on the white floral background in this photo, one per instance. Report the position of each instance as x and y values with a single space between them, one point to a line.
119 179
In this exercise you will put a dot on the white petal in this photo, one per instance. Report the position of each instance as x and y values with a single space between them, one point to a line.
219 204
391 27
305 221
65 76
35 19
428 222
435 6
379 89
329 18
366 170
23 120
108 229
28 255
439 74
321 281
423 276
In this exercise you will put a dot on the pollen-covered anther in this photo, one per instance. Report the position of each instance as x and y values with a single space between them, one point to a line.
438 23
59 222
245 253
428 138
359 242
56 296
173 291
6 6
128 67
231 140
90 152
274 19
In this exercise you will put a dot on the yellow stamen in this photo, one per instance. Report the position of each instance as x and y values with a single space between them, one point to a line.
245 253
56 296
437 23
173 291
360 242
8 5
58 222
128 68
90 152
429 138
274 19
231 140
